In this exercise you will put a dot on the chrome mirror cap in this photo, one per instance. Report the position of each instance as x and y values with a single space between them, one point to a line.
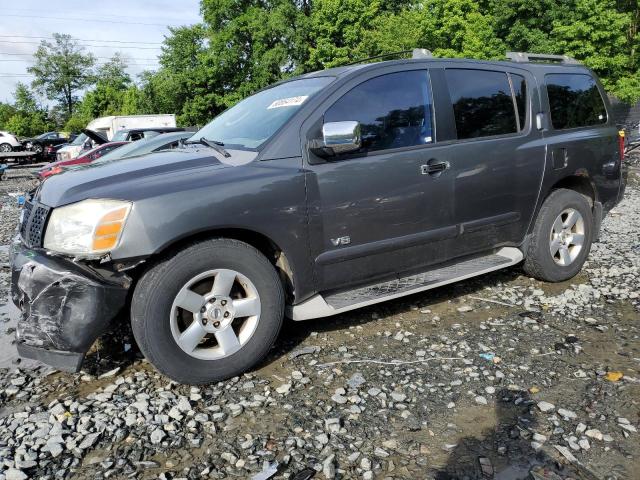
342 137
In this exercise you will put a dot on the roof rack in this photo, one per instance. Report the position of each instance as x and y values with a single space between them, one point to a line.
532 57
415 53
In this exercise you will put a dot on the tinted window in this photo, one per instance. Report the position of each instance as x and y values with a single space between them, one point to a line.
394 110
482 103
574 101
520 92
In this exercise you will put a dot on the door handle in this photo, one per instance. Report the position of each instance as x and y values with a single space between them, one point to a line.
434 167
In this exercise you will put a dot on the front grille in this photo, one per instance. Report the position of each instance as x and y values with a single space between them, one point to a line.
33 224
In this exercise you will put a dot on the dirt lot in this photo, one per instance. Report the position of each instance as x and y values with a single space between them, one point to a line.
498 377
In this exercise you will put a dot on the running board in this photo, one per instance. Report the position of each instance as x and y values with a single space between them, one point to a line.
343 301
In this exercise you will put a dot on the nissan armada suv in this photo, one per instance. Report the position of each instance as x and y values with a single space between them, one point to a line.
319 195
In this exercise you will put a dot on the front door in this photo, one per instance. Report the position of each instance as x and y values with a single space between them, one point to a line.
385 209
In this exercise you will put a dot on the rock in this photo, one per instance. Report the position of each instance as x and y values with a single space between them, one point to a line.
490 390
332 425
546 407
398 396
110 373
584 444
88 441
55 449
581 428
340 399
567 414
538 437
284 388
356 381
464 308
594 433
380 453
304 351
13 474
235 409
328 467
480 400
157 436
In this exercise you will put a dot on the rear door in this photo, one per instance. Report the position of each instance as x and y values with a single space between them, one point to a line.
498 156
385 209
580 136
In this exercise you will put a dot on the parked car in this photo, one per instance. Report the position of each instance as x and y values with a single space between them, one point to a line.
38 144
133 134
9 142
164 141
117 150
87 157
318 195
84 142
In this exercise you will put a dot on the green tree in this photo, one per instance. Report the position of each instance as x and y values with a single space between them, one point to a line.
594 32
29 117
62 69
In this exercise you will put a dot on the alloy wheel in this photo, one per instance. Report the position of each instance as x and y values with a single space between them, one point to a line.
567 237
215 314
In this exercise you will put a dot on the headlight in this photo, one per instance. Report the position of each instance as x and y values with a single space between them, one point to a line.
86 228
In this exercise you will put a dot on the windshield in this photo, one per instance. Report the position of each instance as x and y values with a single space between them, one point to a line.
120 136
255 119
79 140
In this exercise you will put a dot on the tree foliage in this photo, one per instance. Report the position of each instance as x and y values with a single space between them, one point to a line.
61 69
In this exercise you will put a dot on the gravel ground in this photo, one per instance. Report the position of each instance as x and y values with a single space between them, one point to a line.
497 377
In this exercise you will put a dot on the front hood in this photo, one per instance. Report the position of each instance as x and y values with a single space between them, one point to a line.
128 178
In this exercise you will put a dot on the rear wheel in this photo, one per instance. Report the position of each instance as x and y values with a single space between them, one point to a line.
561 237
210 312
37 148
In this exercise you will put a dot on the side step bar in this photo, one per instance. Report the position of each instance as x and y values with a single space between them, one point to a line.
337 302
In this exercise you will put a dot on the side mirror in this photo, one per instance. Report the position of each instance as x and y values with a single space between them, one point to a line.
338 138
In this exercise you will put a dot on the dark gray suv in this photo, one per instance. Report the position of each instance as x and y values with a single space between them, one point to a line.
318 195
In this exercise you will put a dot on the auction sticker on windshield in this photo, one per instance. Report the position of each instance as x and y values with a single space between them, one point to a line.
288 102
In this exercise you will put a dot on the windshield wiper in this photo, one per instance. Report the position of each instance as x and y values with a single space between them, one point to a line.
216 145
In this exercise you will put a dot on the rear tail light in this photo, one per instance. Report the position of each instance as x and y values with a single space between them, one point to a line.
621 144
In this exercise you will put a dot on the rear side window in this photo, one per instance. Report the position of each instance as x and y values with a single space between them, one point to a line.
482 103
574 100
394 110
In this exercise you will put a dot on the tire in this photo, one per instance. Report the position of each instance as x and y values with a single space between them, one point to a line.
5 148
37 148
556 215
159 322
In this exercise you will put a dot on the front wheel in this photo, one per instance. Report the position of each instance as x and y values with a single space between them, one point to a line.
209 312
561 237
5 148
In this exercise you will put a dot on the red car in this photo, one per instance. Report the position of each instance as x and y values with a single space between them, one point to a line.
86 157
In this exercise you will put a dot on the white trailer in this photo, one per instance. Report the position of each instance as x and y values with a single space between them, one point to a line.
108 126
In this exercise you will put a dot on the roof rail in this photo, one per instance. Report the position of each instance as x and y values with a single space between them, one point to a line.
532 57
415 53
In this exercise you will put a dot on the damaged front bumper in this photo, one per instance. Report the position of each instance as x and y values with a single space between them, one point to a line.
65 305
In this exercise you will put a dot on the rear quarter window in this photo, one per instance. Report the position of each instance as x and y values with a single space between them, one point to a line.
483 105
574 101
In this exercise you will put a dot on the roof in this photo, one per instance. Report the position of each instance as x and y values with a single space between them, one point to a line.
530 65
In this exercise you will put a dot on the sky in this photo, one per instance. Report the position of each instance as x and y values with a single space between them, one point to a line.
134 28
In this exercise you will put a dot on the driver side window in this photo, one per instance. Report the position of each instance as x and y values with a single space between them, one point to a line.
394 110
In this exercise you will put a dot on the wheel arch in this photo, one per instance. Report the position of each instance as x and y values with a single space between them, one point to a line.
265 245
578 182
